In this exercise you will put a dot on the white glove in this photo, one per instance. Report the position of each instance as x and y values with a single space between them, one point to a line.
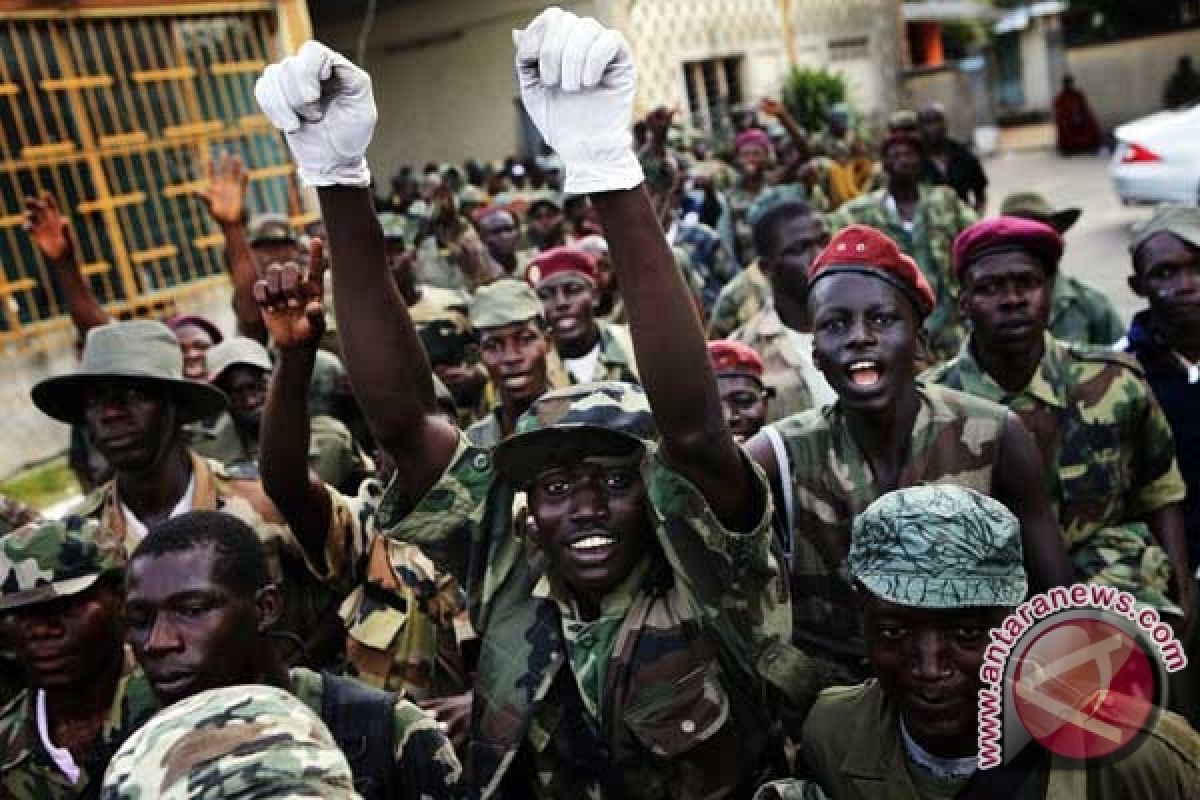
577 82
323 104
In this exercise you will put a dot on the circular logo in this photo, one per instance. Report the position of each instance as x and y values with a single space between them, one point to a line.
1084 688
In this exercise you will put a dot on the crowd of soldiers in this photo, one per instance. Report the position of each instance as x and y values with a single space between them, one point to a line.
471 506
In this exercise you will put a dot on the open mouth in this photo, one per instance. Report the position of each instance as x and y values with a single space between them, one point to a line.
593 549
864 374
516 380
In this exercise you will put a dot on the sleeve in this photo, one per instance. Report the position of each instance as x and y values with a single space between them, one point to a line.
348 541
1155 480
426 765
725 228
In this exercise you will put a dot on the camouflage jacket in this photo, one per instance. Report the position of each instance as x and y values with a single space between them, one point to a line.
310 608
27 772
788 367
733 226
852 750
1108 453
404 619
955 439
739 301
1083 315
616 363
488 432
940 217
680 709
710 261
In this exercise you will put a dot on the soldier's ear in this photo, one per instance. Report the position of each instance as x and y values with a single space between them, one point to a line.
268 602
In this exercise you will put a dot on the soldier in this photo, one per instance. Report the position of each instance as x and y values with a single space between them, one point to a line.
739 373
501 234
1081 314
450 254
231 743
923 220
130 393
63 602
789 236
609 307
565 280
738 301
867 301
755 156
197 335
949 162
200 607
1105 444
911 732
545 225
622 627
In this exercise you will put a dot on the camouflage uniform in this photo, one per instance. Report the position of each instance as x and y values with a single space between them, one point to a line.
616 362
739 301
955 439
39 564
709 260
1109 456
1083 315
658 697
940 216
733 226
788 368
230 743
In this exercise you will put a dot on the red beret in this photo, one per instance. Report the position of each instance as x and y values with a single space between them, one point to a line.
1006 235
560 260
902 136
863 249
734 358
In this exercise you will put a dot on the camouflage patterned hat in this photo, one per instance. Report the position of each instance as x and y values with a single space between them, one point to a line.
235 742
49 559
1180 221
565 426
503 303
939 547
237 351
270 229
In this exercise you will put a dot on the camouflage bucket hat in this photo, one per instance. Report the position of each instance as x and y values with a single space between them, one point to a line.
49 559
138 350
1180 221
270 228
939 547
565 426
238 351
239 741
503 303
1032 205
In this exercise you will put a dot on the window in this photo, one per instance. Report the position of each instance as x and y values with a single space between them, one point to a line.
851 48
714 89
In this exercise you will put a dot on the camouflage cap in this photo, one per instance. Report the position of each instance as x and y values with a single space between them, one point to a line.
237 351
1032 205
1180 221
939 547
503 303
565 426
268 228
48 559
235 742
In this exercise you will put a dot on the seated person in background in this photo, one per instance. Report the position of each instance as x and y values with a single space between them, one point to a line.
936 568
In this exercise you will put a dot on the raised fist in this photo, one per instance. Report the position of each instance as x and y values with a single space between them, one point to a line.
324 106
291 299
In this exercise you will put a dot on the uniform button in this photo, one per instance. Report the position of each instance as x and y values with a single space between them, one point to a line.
687 726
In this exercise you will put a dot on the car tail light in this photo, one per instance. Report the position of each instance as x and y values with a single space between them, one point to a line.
1136 154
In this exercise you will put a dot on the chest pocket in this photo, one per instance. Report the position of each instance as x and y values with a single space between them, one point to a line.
1091 480
672 718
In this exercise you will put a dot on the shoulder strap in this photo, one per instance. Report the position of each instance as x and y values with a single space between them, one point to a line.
362 721
783 489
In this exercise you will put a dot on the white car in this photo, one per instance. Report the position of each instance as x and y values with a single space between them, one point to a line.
1157 158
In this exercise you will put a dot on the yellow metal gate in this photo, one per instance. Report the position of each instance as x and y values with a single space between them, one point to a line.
117 116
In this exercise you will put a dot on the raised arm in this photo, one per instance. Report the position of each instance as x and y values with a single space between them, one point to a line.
51 234
225 199
323 103
577 82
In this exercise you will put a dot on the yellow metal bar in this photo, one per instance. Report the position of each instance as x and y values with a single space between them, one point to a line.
78 82
19 285
184 189
9 89
95 268
109 203
211 240
124 139
136 10
238 67
193 129
48 150
167 74
12 221
277 171
255 123
154 254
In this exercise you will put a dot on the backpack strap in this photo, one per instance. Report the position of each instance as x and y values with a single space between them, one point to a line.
362 721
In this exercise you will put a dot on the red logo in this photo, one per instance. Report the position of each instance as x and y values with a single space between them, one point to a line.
1084 688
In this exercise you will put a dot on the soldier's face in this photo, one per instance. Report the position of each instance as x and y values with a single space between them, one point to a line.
129 421
592 524
69 641
515 358
928 662
195 343
1168 276
545 225
864 340
902 160
247 390
744 403
1007 298
499 232
752 158
188 631
569 304
798 242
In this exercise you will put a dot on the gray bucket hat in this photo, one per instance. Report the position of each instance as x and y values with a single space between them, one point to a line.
238 351
137 350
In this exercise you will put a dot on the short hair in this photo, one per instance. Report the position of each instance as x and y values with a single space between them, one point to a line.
240 561
770 222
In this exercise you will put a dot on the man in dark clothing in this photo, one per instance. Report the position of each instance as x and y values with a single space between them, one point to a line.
1183 87
949 162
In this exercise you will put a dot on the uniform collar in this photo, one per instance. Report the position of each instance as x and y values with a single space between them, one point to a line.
1048 383
615 603
877 764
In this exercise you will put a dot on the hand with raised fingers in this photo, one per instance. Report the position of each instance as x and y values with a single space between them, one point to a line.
225 195
291 299
48 228
772 107
324 106
577 83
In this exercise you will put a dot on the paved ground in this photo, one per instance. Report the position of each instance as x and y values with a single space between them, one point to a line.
1097 245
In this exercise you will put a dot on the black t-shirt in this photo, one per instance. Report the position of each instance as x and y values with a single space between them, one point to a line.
963 172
